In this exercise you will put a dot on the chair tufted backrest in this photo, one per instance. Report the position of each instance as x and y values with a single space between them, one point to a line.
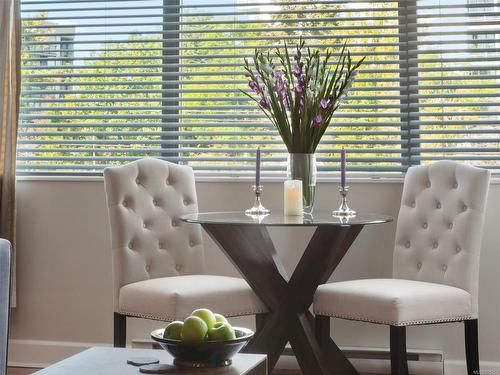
145 200
439 229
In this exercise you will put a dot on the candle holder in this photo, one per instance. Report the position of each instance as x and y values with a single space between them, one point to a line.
258 208
344 210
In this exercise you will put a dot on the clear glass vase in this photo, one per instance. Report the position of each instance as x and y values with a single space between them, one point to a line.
303 167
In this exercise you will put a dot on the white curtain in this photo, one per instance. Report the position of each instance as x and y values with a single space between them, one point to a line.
10 85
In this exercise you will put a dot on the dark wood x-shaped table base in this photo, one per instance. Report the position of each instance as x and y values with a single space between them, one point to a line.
288 299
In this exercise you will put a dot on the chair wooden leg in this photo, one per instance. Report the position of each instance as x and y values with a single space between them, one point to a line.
322 328
472 346
119 330
399 363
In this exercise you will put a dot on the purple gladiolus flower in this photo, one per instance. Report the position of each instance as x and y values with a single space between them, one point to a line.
324 104
317 120
300 87
287 101
264 103
281 90
297 69
301 103
280 83
254 86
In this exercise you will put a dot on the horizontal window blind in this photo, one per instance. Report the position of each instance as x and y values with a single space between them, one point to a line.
454 105
106 82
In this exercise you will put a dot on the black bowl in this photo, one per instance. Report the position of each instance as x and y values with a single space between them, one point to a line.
205 354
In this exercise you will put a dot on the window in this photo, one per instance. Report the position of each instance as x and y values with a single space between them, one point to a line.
110 81
454 107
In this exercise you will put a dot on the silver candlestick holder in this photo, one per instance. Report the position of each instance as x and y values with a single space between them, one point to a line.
344 210
258 208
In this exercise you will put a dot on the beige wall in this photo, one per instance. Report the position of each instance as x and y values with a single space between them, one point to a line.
64 266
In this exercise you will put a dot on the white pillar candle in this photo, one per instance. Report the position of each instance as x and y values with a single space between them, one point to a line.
293 197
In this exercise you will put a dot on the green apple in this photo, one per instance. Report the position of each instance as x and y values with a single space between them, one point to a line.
220 318
194 330
174 330
206 315
218 324
221 332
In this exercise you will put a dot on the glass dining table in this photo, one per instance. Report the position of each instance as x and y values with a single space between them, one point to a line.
246 242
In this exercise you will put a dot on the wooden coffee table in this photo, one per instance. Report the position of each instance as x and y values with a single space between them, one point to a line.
113 361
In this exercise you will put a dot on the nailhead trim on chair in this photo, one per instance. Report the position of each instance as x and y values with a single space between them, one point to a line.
170 318
398 324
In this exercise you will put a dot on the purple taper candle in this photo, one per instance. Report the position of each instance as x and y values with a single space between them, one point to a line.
342 168
257 168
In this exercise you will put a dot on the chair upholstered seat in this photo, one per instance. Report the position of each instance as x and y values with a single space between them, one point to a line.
396 302
173 298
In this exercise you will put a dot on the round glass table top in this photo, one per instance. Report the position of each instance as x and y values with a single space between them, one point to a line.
277 218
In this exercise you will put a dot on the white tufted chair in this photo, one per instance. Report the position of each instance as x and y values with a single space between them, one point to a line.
435 265
158 260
